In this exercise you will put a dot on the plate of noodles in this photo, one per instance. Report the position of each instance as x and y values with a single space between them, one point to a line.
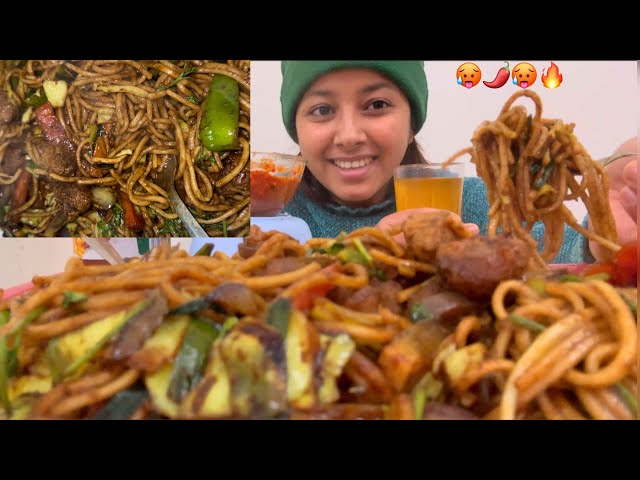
84 144
432 324
355 327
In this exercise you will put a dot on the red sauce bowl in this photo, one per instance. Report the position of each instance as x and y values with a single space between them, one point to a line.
274 178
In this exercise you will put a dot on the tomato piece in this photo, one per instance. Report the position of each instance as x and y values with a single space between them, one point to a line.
304 300
626 264
598 268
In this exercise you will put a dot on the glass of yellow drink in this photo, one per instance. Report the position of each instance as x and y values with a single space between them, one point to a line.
429 185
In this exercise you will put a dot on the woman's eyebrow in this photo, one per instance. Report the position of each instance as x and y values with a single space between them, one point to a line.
319 93
376 86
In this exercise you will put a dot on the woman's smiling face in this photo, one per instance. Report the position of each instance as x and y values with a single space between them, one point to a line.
354 127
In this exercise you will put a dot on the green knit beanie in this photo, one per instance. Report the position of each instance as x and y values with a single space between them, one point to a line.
297 76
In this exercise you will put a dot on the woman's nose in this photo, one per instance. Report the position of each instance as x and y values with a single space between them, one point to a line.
349 131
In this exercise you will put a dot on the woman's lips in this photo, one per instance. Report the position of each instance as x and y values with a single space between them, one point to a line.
352 163
353 168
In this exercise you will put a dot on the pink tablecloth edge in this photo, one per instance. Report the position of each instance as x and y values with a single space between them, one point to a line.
11 292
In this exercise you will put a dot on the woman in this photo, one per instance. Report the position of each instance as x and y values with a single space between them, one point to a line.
355 121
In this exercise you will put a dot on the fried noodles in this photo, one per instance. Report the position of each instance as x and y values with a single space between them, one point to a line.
531 166
91 158
323 330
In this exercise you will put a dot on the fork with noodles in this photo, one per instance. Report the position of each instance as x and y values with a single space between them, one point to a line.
531 166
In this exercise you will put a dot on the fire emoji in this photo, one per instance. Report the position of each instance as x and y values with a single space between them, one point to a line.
553 77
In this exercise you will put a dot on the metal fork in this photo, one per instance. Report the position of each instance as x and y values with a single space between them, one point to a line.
166 179
612 158
105 249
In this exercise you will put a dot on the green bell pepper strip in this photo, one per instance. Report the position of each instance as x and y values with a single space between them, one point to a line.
221 110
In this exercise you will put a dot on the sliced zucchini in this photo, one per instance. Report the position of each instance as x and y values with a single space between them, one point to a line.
339 350
300 354
72 352
158 387
189 365
122 405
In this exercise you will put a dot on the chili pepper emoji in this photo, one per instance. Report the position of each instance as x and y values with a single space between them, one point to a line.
501 78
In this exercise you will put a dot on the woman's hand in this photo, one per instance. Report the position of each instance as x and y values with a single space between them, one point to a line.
623 197
399 218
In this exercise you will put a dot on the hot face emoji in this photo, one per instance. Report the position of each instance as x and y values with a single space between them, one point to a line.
468 75
524 75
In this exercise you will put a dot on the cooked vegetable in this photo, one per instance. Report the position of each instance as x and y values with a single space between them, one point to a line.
140 327
4 367
132 219
205 250
190 362
527 323
72 352
628 398
71 298
193 306
338 352
163 346
301 347
221 108
158 386
254 357
103 197
122 405
278 315
56 91
213 393
426 390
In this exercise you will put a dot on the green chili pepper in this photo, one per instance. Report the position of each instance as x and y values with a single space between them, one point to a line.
221 110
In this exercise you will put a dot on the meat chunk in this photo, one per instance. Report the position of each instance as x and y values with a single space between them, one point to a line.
475 266
53 130
276 266
14 158
8 111
73 200
370 298
445 307
235 298
58 159
424 232
71 196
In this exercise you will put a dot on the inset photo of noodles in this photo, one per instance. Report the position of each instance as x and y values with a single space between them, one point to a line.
124 148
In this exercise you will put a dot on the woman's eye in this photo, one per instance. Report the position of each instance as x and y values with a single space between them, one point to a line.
322 110
377 105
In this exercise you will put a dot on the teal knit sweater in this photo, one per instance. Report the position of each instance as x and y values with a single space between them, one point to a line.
328 220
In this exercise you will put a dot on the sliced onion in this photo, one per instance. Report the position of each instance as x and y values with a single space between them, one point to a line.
103 197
